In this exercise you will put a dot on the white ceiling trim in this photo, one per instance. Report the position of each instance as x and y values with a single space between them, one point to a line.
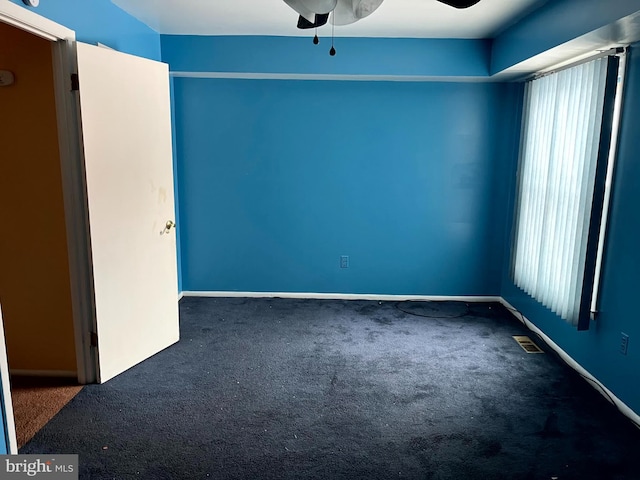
331 77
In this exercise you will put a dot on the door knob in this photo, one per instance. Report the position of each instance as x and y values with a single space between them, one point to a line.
168 226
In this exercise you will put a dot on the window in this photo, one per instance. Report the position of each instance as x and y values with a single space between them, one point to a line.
564 151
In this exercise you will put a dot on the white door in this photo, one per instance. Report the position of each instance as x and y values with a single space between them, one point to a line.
126 128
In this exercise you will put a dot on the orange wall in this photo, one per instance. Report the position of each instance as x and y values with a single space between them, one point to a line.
34 273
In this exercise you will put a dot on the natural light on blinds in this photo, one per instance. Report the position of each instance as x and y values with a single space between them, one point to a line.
558 157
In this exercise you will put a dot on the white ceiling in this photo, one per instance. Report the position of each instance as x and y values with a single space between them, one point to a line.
394 18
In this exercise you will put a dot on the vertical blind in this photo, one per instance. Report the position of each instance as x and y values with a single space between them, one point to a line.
562 122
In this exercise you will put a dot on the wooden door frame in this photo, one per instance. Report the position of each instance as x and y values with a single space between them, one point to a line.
63 41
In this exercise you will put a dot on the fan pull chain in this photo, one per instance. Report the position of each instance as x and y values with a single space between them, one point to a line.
316 40
332 52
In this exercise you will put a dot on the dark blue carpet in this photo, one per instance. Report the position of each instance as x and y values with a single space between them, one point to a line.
323 389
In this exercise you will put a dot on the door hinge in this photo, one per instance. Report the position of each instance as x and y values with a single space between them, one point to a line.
94 339
75 82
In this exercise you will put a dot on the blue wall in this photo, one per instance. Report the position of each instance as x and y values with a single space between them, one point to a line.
277 179
101 21
598 349
356 56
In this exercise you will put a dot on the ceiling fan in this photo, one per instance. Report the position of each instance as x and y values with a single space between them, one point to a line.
316 13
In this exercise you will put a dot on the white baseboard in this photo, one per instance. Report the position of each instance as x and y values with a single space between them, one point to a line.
180 296
43 373
593 381
340 296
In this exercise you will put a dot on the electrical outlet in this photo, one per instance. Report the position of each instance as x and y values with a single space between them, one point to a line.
344 261
624 343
